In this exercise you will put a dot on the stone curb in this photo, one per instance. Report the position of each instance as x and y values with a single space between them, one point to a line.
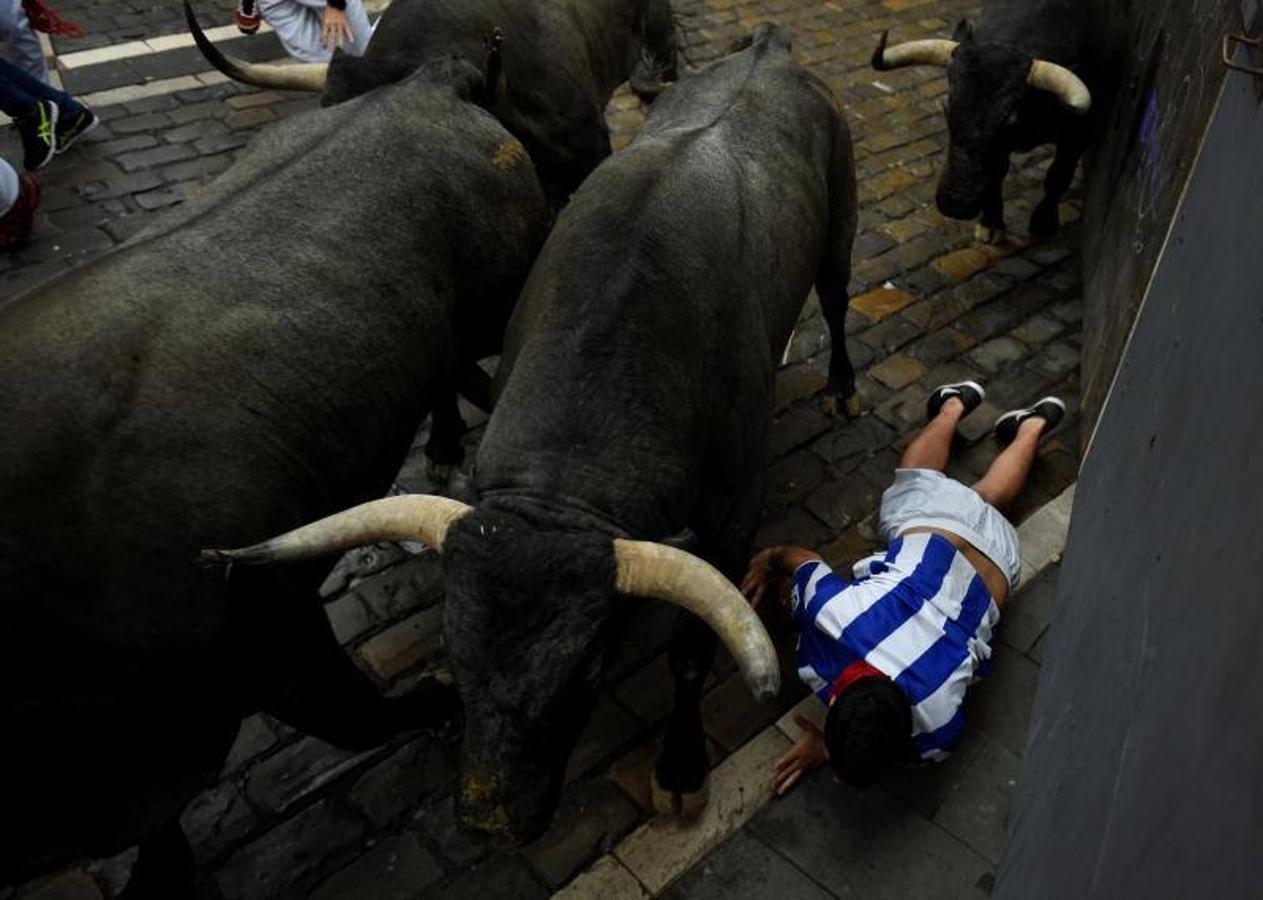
646 862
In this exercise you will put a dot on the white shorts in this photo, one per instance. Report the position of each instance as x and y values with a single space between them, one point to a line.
923 498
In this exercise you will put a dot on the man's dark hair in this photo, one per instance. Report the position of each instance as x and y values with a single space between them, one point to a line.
867 729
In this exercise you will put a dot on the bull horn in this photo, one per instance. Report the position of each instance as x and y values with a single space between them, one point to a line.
411 517
298 77
646 569
933 52
1059 80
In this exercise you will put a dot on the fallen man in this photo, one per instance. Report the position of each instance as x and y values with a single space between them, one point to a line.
892 652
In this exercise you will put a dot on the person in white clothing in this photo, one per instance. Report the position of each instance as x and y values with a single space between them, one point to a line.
309 30
21 43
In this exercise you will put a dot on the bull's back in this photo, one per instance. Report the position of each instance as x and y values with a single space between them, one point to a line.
210 381
712 221
653 319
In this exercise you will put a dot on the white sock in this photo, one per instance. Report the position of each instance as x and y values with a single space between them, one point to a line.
10 188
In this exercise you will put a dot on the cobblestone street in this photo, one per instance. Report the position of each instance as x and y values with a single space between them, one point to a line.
293 816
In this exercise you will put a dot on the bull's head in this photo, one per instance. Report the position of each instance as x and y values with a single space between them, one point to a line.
527 616
987 85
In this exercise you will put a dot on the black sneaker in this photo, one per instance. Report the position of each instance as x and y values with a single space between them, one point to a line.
73 125
39 135
1050 409
970 393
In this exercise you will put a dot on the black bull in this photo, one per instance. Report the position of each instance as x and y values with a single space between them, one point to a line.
263 356
561 61
634 397
1011 88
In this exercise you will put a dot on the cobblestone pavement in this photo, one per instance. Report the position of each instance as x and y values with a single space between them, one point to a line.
293 816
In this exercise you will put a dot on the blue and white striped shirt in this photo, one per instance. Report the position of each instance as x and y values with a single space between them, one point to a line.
917 613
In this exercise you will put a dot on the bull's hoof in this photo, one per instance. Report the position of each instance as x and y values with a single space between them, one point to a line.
672 803
1045 221
985 234
833 404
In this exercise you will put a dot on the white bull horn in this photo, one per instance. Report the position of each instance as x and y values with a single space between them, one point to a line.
933 52
646 569
1061 81
298 77
411 517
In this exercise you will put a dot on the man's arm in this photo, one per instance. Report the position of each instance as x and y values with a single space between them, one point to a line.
772 568
808 753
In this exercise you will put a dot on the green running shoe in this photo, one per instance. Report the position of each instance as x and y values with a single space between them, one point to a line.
39 135
73 125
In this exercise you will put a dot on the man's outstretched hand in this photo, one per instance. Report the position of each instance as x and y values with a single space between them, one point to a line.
807 754
770 570
335 30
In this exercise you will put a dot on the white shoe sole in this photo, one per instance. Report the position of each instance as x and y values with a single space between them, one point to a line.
1018 413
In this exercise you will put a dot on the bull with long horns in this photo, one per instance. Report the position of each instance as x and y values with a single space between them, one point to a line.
188 390
1011 88
633 404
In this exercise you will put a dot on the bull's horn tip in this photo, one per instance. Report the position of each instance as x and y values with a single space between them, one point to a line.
215 556
768 687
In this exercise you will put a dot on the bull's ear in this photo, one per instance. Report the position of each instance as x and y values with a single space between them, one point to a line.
493 67
683 540
964 32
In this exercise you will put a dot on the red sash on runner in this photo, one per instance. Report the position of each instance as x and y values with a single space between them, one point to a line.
45 20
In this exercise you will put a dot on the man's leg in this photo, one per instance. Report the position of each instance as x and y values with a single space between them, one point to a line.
1021 430
49 120
932 447
947 405
22 45
20 91
15 99
1007 474
297 25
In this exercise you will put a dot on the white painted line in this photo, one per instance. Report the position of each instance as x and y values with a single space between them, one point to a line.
101 55
663 849
131 92
148 47
214 76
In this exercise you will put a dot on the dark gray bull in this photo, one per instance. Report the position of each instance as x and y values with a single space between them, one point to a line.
263 357
1010 89
635 394
562 60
